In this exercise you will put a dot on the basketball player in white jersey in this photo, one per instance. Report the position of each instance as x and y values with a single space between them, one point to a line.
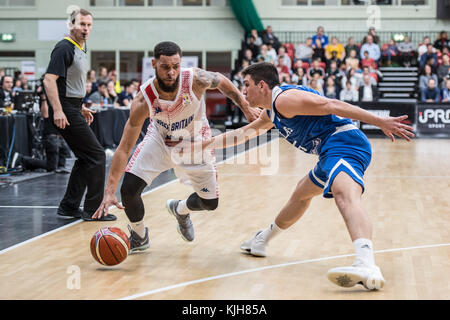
174 101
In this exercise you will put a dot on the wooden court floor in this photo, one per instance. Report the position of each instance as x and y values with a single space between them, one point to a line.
407 187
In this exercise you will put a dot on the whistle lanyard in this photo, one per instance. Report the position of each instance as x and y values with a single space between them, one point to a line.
77 45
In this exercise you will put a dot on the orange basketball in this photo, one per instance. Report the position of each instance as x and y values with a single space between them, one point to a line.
110 246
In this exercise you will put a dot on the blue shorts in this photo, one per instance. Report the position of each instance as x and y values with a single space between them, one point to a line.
347 151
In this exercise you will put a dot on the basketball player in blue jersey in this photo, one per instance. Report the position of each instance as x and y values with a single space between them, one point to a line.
321 126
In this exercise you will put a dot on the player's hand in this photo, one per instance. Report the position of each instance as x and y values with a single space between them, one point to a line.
251 113
87 114
60 120
108 200
394 126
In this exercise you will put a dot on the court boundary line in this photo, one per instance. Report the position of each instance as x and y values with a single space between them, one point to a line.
237 273
20 244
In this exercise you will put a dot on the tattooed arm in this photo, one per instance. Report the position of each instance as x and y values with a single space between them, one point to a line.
206 80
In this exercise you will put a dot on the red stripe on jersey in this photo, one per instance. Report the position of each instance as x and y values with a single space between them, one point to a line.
151 95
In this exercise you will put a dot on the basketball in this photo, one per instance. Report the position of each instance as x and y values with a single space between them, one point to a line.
110 246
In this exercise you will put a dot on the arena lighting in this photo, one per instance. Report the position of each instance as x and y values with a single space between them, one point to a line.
7 37
398 37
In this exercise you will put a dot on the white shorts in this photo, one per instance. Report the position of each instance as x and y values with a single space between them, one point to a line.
152 157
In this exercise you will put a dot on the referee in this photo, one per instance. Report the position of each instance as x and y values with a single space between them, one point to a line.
65 86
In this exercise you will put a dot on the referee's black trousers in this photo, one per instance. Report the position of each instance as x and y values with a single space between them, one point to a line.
88 171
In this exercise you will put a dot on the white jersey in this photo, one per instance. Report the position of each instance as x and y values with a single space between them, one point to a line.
183 117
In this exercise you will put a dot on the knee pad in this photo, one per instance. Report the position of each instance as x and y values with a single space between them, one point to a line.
195 203
132 186
210 204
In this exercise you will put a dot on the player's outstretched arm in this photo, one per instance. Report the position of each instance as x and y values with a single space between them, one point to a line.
294 102
138 113
206 80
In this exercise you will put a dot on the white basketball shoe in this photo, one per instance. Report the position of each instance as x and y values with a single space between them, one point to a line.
359 273
255 246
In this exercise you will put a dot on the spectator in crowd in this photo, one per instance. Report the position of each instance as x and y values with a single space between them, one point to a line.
257 39
351 46
264 55
320 35
352 60
337 47
372 48
253 47
366 71
373 34
431 93
86 101
282 54
333 72
367 61
272 52
299 77
25 84
333 58
6 95
112 75
442 41
331 90
315 69
427 56
283 70
446 91
423 47
126 96
368 91
443 70
102 75
91 77
319 51
343 71
350 76
113 96
304 51
137 85
349 93
101 96
269 37
426 75
314 84
248 55
391 52
407 52
17 87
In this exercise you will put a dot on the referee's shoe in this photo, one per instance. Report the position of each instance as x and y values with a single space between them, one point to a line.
80 214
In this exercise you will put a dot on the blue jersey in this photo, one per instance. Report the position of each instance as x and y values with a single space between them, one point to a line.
307 133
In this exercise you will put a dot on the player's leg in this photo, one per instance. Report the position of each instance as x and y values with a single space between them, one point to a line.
347 193
291 213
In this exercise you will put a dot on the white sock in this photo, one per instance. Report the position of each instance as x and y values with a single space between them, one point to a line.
182 207
270 232
364 251
139 228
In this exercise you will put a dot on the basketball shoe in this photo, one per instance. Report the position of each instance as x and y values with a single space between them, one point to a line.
185 227
255 246
359 273
136 242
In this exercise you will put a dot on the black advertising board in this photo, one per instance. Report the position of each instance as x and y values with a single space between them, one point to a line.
433 118
386 109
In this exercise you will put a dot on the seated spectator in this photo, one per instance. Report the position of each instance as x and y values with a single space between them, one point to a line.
442 41
314 84
351 46
352 60
285 79
424 58
248 55
25 85
368 61
337 47
112 93
92 78
390 52
113 76
17 87
101 96
426 75
283 70
137 85
264 55
446 91
431 93
349 93
6 95
286 59
350 76
126 96
320 35
315 68
319 51
368 92
333 72
373 77
373 34
270 38
102 75
253 47
407 52
372 48
331 90
304 51
299 77
333 58
257 39
444 68
86 100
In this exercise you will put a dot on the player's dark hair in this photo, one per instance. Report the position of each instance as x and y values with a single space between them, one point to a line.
166 48
264 71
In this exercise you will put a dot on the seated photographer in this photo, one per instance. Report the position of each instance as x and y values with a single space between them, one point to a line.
6 95
56 149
